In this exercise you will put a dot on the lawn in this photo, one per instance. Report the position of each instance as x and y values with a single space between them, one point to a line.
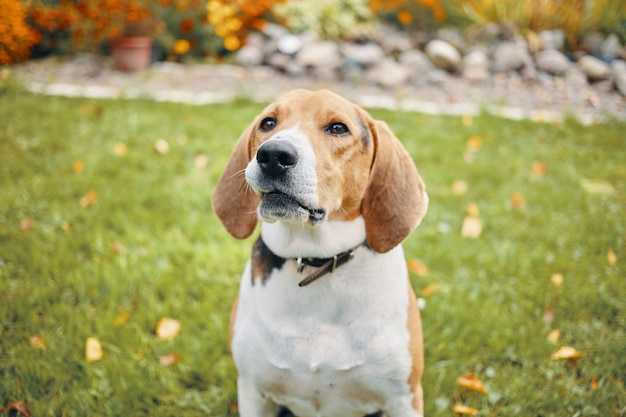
106 228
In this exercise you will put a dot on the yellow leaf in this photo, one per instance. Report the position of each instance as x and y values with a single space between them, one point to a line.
89 199
417 267
517 200
464 410
539 169
594 383
167 360
430 290
472 227
459 187
122 318
201 161
162 146
473 210
167 328
79 166
467 120
93 350
553 336
120 149
471 381
474 143
37 342
565 352
557 279
611 257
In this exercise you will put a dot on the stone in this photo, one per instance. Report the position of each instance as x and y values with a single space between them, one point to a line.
454 37
364 55
392 41
591 42
476 66
575 78
416 61
388 73
443 55
618 70
553 39
594 68
552 62
509 56
611 48
289 44
249 55
316 54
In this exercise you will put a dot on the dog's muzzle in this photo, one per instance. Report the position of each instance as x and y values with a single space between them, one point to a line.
277 182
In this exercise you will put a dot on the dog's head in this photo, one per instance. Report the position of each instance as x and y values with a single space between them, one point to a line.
311 157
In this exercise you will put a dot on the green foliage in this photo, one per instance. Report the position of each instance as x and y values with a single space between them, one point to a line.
330 19
150 247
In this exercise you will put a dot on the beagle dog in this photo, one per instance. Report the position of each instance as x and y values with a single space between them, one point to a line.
326 322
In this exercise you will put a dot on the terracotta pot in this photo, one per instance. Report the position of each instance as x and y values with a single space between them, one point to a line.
131 54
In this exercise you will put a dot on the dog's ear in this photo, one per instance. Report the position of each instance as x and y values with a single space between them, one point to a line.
234 202
395 199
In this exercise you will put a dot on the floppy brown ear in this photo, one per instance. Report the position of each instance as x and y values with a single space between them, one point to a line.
234 202
395 199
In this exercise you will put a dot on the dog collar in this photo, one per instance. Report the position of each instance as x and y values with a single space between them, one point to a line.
325 265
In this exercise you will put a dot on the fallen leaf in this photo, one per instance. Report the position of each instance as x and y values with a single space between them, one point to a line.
565 352
464 410
474 143
120 149
517 200
201 161
473 210
539 169
557 279
37 342
430 290
472 227
167 360
167 328
471 381
117 247
66 227
121 318
26 225
597 187
93 350
467 120
162 146
611 257
89 199
417 267
594 383
18 406
79 166
548 315
459 187
553 336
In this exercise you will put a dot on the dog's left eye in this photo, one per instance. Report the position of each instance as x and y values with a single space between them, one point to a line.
337 129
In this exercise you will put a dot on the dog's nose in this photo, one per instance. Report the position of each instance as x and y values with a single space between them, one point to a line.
276 157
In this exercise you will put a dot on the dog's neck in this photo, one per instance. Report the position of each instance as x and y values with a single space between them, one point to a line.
323 240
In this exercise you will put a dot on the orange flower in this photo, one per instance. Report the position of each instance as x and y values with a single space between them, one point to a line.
232 43
187 25
181 46
405 17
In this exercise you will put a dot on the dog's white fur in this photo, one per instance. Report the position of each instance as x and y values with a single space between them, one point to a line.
350 343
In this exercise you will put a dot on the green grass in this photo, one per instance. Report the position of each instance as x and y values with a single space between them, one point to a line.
150 247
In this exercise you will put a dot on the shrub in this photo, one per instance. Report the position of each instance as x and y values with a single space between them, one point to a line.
16 36
573 16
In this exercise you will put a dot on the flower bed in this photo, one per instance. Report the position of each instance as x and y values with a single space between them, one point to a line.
214 28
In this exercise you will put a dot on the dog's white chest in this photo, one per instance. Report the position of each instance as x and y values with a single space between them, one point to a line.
336 347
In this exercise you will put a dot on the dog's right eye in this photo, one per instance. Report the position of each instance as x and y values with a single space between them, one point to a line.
268 124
